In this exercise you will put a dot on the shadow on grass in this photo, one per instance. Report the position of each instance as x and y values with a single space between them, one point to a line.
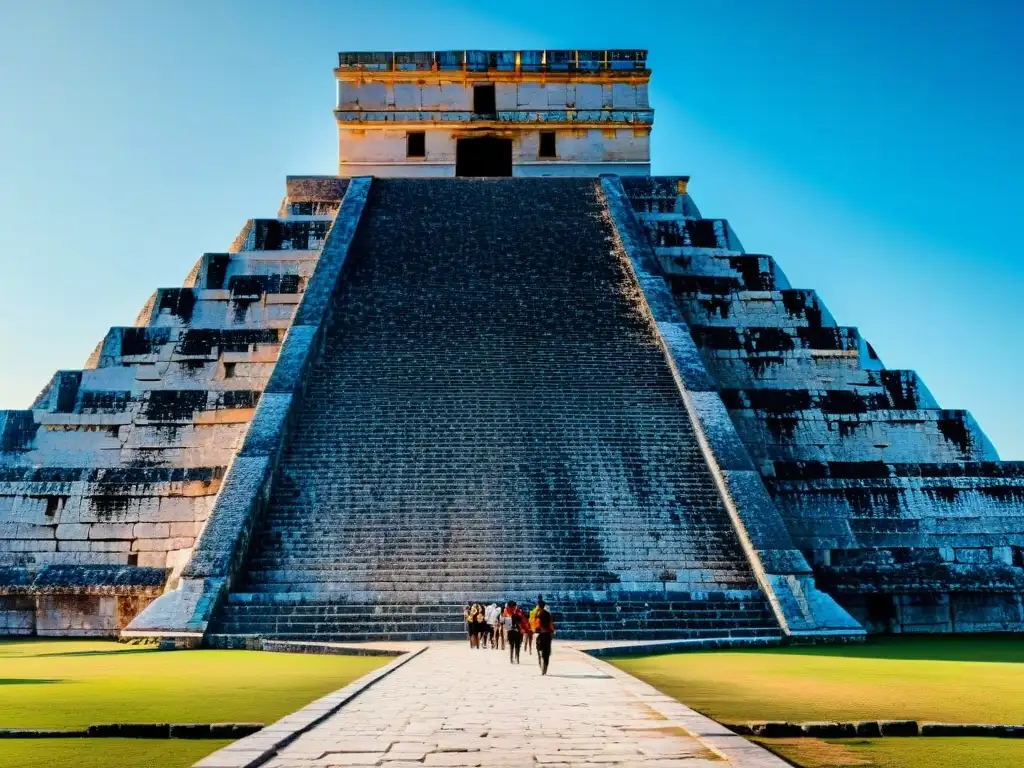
26 681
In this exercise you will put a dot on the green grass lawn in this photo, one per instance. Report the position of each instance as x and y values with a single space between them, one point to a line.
900 753
947 679
73 683
104 753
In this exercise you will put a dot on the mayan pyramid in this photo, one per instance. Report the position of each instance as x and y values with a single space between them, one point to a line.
494 357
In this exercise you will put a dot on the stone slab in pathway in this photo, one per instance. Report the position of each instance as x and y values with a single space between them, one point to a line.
454 706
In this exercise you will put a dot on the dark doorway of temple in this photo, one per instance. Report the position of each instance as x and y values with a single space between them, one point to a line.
486 156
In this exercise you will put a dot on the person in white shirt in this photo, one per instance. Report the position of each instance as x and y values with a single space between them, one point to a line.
493 615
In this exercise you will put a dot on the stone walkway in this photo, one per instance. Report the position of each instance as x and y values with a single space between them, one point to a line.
454 706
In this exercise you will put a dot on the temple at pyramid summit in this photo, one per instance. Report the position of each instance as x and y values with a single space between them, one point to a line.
494 358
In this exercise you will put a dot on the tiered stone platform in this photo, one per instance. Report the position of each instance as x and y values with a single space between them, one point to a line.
107 481
903 507
404 394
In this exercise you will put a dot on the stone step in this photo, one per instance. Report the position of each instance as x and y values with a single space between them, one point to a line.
368 545
482 567
313 561
881 390
350 524
745 611
704 273
496 535
444 587
500 531
430 629
902 435
768 633
679 231
564 599
278 234
462 592
739 308
776 340
743 614
497 516
427 631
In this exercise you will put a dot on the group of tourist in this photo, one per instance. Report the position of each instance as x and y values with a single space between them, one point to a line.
498 626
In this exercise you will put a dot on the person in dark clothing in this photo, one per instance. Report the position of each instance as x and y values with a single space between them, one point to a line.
512 620
544 629
474 624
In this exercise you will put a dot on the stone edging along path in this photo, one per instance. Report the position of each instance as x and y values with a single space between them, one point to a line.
260 747
331 649
725 743
873 729
140 731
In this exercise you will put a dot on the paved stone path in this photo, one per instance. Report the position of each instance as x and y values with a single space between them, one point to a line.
454 706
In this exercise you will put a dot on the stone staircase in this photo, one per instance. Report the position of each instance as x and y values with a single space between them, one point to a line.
492 417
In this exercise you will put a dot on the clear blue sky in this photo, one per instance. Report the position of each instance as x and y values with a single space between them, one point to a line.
873 147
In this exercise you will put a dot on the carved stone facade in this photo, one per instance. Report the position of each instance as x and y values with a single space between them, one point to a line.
529 113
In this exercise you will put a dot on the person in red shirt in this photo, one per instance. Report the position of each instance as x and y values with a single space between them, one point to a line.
513 621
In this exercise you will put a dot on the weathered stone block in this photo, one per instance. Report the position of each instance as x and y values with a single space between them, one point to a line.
190 730
777 730
115 545
74 546
234 730
112 531
151 531
161 545
153 559
899 727
986 613
869 729
176 509
184 530
830 730
73 531
925 613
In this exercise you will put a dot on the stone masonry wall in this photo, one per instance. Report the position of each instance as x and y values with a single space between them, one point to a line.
119 463
903 507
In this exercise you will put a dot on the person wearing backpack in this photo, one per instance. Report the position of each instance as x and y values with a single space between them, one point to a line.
476 625
544 629
512 620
